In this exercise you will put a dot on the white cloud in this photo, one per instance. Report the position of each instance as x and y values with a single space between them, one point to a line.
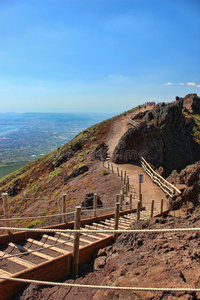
168 83
198 85
181 83
191 83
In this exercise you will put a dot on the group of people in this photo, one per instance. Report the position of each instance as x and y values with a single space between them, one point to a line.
147 104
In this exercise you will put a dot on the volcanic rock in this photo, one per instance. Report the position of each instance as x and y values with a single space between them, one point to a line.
76 172
190 177
163 138
192 103
64 155
140 115
15 189
89 201
100 152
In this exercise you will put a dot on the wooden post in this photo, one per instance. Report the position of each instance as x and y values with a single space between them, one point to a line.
138 210
169 203
161 207
116 219
121 199
130 201
126 188
128 182
124 177
6 210
121 174
140 176
152 208
123 190
112 168
117 171
117 199
141 199
64 217
95 205
77 225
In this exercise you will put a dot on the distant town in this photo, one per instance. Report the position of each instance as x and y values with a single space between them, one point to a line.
26 137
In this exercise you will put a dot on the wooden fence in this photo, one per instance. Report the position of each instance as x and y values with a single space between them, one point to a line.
133 123
166 186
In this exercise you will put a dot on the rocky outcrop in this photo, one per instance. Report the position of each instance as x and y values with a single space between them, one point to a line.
140 115
163 138
64 155
192 103
89 201
100 152
190 177
76 172
15 188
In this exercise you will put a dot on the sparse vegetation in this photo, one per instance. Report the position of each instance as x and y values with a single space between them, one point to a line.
104 172
34 223
56 194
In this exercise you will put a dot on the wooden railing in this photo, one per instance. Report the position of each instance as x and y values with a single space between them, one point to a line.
133 123
166 186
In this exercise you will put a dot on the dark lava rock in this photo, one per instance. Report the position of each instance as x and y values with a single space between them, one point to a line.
100 152
15 189
76 147
76 172
89 201
163 138
140 115
64 155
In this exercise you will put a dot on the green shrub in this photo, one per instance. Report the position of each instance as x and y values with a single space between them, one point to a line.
34 223
56 194
104 172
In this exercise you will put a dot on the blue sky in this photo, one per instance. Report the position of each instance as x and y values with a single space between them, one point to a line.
97 55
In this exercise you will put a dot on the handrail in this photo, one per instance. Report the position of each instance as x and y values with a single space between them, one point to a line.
133 123
166 186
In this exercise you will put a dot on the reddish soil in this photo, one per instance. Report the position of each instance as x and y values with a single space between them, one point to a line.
141 260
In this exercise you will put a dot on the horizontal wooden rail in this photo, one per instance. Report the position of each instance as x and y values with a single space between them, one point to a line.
133 123
166 186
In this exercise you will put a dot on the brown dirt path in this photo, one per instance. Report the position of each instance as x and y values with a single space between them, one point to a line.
150 191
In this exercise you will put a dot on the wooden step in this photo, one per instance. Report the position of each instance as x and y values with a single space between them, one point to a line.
51 247
34 252
93 227
123 223
58 240
81 239
91 235
5 273
17 260
119 226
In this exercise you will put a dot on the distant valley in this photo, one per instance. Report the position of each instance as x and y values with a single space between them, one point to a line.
26 137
